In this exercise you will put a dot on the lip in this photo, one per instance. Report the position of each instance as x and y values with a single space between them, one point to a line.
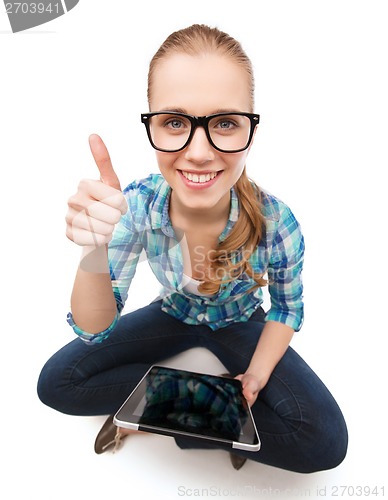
199 185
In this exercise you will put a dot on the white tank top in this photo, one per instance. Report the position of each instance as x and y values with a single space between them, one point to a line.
191 285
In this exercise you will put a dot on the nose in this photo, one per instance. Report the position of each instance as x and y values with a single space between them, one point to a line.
199 150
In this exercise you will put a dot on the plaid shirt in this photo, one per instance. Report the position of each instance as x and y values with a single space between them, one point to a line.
147 226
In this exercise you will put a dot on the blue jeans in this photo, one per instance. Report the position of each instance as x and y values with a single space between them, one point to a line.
300 425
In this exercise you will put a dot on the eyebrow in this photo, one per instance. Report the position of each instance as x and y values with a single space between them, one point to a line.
173 110
184 111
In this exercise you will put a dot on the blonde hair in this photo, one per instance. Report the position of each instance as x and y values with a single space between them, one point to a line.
231 258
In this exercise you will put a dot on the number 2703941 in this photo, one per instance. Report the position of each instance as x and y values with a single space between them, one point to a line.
31 8
357 491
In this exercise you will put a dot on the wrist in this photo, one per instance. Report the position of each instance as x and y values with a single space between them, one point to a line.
261 377
94 259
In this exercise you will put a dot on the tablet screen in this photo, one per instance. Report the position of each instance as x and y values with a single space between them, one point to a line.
193 403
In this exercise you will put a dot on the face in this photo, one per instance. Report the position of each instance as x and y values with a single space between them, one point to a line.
200 176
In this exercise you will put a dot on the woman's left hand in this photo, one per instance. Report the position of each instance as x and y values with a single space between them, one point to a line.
251 386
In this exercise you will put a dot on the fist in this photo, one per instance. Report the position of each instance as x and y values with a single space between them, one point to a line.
96 207
251 387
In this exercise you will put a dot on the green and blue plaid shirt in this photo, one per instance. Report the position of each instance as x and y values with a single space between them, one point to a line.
147 226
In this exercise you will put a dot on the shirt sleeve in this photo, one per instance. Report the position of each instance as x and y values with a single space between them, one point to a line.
124 252
92 338
285 272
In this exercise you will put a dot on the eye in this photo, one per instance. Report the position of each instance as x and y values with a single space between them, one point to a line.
226 124
174 123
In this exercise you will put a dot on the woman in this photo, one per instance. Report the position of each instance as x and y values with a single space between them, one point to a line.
210 235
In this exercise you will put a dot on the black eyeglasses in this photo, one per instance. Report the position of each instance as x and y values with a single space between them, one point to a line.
227 132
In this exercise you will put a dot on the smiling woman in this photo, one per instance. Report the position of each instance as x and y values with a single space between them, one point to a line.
210 234
197 85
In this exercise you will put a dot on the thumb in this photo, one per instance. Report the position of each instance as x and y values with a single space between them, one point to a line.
101 157
249 387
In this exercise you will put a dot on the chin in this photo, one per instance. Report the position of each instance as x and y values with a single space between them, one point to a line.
196 203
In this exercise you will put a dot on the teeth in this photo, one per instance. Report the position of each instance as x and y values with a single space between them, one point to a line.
200 179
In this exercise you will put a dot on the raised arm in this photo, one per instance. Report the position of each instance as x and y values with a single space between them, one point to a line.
93 212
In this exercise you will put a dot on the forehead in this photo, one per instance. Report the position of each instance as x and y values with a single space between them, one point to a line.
200 85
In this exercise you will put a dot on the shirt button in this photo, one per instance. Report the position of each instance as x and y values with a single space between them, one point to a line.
200 317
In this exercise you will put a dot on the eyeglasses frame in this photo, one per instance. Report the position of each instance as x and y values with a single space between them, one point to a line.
200 121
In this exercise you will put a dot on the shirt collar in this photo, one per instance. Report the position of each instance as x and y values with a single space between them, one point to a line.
233 214
160 218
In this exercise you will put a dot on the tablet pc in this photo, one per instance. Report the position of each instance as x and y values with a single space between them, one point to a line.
183 403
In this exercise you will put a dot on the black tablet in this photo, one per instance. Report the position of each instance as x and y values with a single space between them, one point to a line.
182 403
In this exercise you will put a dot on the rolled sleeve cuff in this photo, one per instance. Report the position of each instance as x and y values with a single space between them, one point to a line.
293 319
92 338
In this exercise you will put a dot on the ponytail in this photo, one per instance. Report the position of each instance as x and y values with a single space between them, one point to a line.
231 258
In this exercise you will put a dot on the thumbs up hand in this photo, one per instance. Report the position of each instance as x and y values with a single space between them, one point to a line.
97 205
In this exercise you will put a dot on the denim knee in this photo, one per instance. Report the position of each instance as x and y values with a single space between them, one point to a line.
329 448
47 387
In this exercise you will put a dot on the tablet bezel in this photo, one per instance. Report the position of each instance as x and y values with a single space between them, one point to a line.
127 419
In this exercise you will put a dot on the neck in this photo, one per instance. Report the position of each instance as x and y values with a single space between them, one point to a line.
185 217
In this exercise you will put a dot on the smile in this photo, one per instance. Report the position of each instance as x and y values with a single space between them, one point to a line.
199 179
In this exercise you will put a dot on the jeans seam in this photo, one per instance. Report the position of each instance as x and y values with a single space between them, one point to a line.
298 406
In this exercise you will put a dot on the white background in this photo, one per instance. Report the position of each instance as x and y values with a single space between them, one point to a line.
321 80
